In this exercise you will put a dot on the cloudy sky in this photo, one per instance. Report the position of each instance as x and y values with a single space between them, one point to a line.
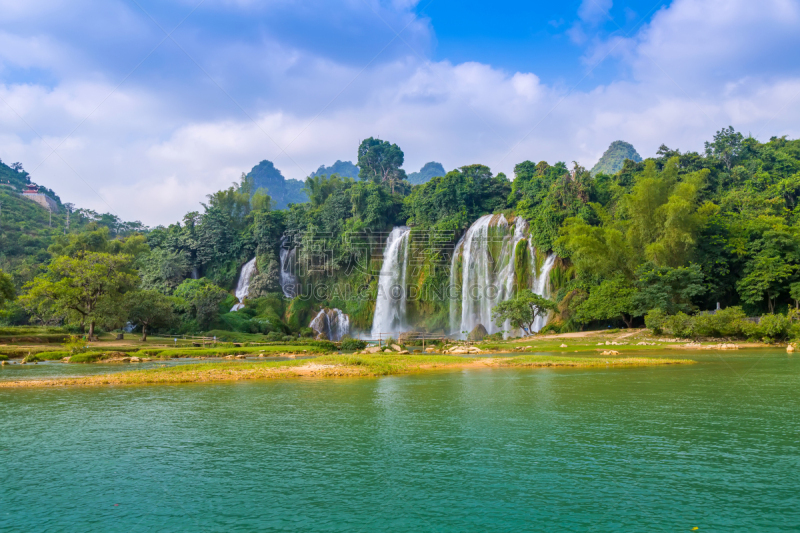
142 107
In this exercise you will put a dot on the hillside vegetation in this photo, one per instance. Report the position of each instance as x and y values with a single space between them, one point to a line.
659 240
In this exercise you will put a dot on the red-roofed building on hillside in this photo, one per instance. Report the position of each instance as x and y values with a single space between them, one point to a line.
32 192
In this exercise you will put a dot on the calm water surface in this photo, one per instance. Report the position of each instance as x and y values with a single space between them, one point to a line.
712 445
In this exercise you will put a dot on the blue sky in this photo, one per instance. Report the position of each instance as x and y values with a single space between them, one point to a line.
142 107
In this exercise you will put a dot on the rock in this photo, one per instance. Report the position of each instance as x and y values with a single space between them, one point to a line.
322 337
2 363
529 348
403 352
599 343
789 349
241 356
387 350
261 355
430 350
477 333
126 359
134 360
610 352
229 356
563 346
475 349
373 349
396 348
407 336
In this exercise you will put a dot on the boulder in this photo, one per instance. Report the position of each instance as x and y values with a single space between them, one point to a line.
126 359
477 333
134 360
403 352
610 352
387 350
406 337
563 346
229 356
790 348
241 356
396 348
430 350
373 349
321 337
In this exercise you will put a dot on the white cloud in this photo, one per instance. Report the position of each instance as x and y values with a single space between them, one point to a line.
153 151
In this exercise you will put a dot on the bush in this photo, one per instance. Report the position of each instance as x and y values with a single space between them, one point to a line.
680 325
306 332
52 356
773 328
353 345
274 336
656 319
75 344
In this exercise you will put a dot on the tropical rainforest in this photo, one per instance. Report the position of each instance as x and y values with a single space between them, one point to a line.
659 241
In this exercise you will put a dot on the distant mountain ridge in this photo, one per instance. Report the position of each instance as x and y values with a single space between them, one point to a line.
426 173
345 169
283 191
612 160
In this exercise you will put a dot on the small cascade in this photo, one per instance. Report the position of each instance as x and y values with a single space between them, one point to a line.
288 281
390 304
542 288
332 322
243 286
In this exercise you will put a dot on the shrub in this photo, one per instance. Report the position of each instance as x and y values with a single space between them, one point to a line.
656 319
353 345
52 356
306 332
772 328
680 325
75 344
274 336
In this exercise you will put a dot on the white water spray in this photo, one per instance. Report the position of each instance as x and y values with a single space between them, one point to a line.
390 305
332 322
288 281
243 286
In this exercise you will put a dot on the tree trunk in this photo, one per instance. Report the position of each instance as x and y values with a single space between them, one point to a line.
144 332
770 305
628 321
91 330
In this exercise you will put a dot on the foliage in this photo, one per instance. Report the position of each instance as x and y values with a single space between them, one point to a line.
353 345
201 300
522 310
380 161
613 299
149 309
75 344
7 291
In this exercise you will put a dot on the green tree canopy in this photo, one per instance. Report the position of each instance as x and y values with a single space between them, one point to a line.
149 309
522 310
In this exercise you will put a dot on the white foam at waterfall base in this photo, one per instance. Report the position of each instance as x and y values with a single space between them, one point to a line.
243 285
390 303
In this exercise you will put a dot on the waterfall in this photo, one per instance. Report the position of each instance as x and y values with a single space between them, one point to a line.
487 271
487 253
243 286
542 288
288 281
332 322
390 304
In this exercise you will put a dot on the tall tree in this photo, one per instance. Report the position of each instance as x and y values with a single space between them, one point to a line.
380 161
149 309
78 285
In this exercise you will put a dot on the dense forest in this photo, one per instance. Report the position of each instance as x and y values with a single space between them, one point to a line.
660 240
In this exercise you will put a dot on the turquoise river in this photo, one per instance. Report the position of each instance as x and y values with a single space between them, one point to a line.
713 446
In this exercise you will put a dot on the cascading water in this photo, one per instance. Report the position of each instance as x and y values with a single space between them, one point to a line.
486 274
288 281
332 322
243 286
390 305
542 288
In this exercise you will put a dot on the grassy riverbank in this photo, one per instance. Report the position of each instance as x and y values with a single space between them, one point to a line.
334 366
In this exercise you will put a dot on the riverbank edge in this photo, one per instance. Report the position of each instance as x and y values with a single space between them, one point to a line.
333 366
